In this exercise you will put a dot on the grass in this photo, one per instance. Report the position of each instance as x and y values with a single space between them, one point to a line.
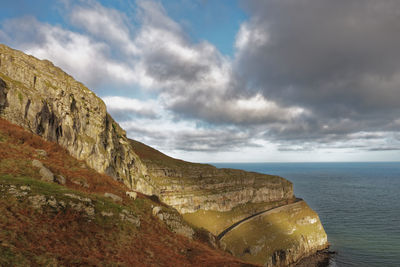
216 222
281 229
66 237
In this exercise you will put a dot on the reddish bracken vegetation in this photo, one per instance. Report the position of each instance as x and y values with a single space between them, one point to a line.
22 145
68 238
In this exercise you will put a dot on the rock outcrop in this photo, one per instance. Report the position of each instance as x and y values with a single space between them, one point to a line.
45 100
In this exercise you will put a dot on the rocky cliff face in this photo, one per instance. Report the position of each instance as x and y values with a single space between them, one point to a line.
43 99
190 187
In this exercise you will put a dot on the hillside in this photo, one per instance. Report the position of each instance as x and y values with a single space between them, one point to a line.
48 102
45 223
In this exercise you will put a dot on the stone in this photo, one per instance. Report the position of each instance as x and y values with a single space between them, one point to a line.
156 210
25 188
106 214
46 174
52 202
36 163
88 209
60 179
81 182
113 197
130 217
37 201
131 194
83 199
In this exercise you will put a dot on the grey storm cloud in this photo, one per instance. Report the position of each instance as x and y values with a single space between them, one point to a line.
304 74
338 59
326 48
210 140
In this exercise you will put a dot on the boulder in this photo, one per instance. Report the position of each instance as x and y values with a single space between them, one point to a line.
60 179
113 197
156 210
37 164
131 194
80 181
46 174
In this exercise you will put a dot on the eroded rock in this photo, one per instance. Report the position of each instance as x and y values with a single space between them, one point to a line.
46 174
106 214
156 210
37 201
81 182
126 215
113 197
131 194
60 179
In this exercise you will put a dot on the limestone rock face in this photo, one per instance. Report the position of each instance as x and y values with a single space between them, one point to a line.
45 100
223 193
190 187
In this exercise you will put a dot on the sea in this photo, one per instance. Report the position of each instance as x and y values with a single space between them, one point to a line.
358 204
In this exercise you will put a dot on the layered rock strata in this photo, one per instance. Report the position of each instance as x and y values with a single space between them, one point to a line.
191 187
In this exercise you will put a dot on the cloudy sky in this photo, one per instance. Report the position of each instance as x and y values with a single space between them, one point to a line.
227 80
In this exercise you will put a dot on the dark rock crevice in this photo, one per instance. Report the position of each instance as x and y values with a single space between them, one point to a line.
28 104
3 95
48 124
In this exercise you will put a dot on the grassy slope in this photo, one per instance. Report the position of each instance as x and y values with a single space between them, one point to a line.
48 237
287 228
154 159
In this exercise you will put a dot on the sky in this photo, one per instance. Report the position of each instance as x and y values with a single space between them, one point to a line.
231 80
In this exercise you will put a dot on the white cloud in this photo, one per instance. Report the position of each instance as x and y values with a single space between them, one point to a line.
105 23
117 104
202 100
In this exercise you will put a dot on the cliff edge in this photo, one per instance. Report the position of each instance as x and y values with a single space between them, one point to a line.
48 102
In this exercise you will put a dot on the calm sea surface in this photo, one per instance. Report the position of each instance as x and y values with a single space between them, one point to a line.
358 204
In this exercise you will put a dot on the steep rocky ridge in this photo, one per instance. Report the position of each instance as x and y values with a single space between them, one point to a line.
43 99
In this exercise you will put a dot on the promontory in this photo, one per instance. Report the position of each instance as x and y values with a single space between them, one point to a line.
254 217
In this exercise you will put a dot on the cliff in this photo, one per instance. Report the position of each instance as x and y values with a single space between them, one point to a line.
45 100
48 102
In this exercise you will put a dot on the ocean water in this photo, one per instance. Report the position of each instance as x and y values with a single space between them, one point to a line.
358 204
